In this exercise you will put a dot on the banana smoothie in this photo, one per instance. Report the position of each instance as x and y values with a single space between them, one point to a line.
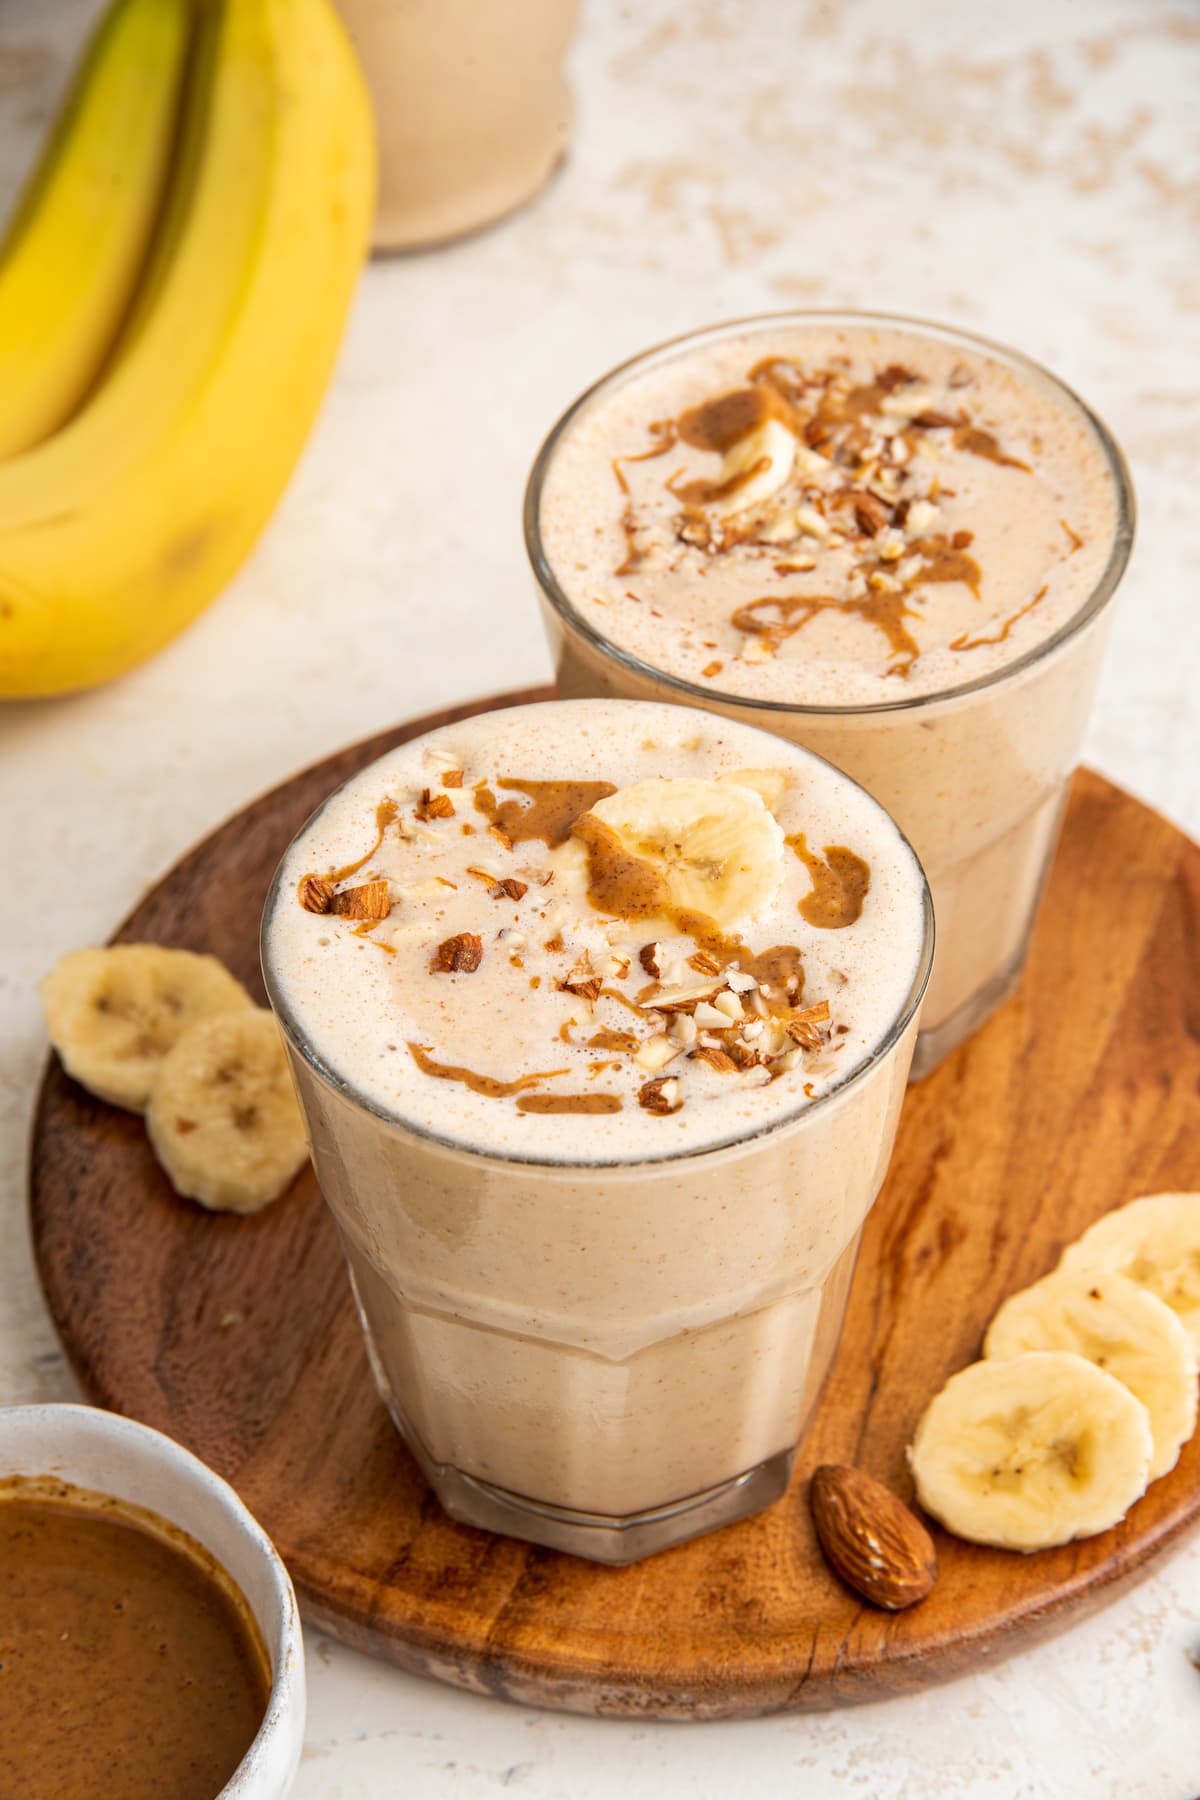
891 543
600 1015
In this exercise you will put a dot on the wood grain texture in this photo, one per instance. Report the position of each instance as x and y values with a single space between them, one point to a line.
238 1338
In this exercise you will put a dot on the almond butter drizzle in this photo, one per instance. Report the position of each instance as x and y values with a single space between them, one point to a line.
385 815
570 1103
554 808
886 612
612 993
943 559
634 557
969 643
488 1085
604 1039
624 886
701 493
840 882
664 435
984 443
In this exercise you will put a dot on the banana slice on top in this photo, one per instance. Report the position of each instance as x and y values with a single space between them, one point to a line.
113 1014
714 843
1154 1242
1119 1327
223 1117
753 468
1031 1451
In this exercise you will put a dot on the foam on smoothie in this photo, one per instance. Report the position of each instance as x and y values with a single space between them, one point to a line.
943 515
497 1007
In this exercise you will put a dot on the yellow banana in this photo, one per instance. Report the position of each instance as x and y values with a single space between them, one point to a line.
117 531
78 240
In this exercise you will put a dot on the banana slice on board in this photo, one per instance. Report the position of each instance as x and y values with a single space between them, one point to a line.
1119 1327
113 1014
714 842
1031 1451
754 468
223 1117
1154 1242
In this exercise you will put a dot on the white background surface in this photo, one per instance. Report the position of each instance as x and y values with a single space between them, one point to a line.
1030 170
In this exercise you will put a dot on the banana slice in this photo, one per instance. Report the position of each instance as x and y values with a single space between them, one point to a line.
223 1117
1032 1451
769 784
753 468
1119 1327
714 842
113 1014
1154 1242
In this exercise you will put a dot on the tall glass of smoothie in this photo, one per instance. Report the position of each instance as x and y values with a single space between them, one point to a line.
892 543
600 1015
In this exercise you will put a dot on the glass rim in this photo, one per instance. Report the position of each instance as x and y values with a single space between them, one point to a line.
667 350
347 1090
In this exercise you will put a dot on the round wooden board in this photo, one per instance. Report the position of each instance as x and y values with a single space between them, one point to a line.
238 1338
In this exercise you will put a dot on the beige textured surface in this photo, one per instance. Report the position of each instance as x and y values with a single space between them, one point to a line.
1032 171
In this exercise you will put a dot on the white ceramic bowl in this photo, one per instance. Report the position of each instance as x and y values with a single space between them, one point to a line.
111 1455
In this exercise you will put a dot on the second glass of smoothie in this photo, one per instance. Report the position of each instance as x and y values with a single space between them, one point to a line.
892 543
600 1015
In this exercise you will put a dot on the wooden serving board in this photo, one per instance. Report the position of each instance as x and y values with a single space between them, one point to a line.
238 1338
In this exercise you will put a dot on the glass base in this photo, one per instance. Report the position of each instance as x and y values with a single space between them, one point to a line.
933 1047
599 1537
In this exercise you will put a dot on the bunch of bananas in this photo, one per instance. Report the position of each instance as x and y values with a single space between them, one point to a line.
173 289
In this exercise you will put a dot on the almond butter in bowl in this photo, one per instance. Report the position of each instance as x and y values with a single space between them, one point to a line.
635 1089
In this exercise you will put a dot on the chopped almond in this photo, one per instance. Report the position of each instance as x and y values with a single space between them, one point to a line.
510 888
704 963
684 999
808 1028
660 1095
648 956
583 980
656 1052
812 1015
715 1058
434 806
371 900
459 955
316 894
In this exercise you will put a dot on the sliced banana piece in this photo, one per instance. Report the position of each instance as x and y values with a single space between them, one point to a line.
1154 1242
1031 1451
714 842
1121 1328
223 1117
113 1014
769 784
754 468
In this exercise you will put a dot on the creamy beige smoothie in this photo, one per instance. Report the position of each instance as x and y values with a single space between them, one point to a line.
471 105
891 543
600 1014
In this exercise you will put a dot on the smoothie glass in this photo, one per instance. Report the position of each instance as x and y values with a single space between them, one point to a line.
471 105
605 1357
976 775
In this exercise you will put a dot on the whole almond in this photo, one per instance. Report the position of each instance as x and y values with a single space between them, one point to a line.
871 1539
